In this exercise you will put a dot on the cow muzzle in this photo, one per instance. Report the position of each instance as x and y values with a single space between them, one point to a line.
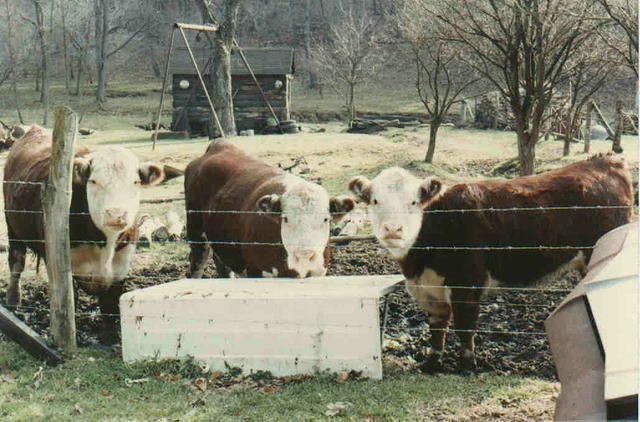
116 218
304 256
392 231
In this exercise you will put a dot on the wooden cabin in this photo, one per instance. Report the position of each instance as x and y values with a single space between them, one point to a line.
273 67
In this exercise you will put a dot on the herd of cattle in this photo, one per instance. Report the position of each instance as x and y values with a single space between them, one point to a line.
255 220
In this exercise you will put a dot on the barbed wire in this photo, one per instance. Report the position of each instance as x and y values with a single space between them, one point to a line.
98 315
132 277
312 245
323 213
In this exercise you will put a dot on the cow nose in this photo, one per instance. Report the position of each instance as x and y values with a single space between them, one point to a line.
302 256
116 217
392 231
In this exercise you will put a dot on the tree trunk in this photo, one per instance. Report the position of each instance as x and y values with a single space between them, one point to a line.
587 134
44 92
433 134
101 21
566 150
78 74
351 106
526 152
17 100
65 49
221 88
313 78
617 136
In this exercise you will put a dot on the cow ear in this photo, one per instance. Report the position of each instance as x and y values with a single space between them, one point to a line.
429 190
339 206
361 188
270 203
150 174
81 170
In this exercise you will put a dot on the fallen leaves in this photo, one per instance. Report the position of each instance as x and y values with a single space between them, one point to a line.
333 409
130 382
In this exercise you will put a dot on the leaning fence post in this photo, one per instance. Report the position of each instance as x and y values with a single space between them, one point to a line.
56 203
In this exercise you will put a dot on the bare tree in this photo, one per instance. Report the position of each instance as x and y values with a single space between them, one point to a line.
586 73
38 24
225 14
441 77
12 68
105 27
351 53
522 47
622 36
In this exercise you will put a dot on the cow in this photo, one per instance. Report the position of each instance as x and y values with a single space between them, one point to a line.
259 220
351 223
422 222
104 205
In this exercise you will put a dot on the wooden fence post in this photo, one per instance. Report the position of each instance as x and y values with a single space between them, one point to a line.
587 133
617 136
56 203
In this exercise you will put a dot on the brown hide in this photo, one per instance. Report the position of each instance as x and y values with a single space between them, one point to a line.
600 180
227 179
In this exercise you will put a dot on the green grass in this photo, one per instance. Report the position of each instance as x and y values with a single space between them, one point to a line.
93 387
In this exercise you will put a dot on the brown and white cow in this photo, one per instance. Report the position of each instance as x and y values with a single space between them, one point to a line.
409 215
104 206
235 202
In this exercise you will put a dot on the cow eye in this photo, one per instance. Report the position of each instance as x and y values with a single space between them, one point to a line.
414 203
285 219
326 219
375 202
137 182
93 182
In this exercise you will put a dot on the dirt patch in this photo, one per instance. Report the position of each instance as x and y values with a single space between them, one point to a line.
407 330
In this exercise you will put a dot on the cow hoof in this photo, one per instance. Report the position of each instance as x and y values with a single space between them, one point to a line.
14 299
467 366
433 364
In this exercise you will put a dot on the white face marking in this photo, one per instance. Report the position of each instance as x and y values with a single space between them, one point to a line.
305 226
395 210
113 189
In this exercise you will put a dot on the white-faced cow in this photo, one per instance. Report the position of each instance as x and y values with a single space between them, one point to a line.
259 220
104 206
415 220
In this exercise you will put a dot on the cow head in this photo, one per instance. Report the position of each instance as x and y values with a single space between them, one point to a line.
396 200
113 178
304 211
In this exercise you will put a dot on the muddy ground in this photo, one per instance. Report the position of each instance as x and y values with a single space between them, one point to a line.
407 332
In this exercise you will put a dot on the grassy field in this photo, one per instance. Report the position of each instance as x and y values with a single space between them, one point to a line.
93 385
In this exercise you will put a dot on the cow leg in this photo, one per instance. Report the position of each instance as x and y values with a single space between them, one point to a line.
198 258
222 270
17 256
432 296
108 302
466 308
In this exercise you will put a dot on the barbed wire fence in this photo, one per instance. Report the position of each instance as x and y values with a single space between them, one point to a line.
88 278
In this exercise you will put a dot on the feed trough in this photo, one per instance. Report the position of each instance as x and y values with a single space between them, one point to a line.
285 326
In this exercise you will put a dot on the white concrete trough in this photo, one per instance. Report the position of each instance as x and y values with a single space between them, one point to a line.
285 326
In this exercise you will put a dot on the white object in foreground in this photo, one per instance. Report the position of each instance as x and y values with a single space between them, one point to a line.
285 326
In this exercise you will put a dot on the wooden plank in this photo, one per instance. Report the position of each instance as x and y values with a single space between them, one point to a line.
56 203
28 339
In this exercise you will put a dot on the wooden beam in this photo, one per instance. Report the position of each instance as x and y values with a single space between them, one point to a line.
56 203
603 121
164 88
28 339
206 28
